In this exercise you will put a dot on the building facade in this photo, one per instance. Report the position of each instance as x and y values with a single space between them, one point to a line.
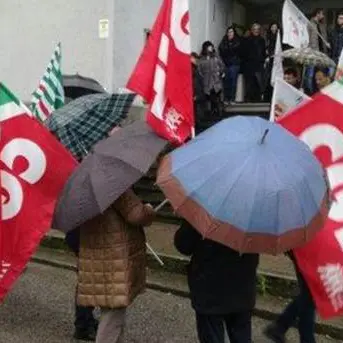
102 39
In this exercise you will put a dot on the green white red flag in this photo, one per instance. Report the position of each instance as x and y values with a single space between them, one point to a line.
49 95
319 123
34 167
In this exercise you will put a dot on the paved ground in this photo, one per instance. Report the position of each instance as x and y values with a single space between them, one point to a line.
40 308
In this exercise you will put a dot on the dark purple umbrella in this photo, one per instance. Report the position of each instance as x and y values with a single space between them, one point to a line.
114 165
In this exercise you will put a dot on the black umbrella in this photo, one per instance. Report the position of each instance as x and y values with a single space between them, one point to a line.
76 86
115 164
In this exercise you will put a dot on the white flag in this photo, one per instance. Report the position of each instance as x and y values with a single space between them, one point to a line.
277 71
295 26
285 99
339 70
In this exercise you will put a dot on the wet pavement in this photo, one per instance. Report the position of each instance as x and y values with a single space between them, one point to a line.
40 310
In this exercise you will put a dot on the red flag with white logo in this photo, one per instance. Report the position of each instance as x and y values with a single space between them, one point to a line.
34 167
163 75
319 123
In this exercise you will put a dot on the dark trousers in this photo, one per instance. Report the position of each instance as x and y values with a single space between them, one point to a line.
253 86
83 315
303 309
211 328
214 102
230 82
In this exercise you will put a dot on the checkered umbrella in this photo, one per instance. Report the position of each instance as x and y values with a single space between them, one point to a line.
87 120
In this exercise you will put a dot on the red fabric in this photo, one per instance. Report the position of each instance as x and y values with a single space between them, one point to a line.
167 80
320 124
33 169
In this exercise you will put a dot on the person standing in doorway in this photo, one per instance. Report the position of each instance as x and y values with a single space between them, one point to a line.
336 39
199 98
212 69
222 285
230 53
317 31
271 43
253 58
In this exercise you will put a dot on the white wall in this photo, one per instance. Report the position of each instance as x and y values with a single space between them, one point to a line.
129 31
30 29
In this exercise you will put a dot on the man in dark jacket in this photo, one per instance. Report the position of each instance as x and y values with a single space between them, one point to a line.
222 285
253 58
199 97
336 39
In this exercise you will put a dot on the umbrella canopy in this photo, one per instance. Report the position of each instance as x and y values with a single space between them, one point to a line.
85 121
249 184
76 86
115 164
309 56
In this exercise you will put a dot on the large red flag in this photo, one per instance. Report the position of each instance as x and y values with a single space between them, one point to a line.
33 169
163 76
319 123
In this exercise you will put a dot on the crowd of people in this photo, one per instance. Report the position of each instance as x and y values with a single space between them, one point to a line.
251 55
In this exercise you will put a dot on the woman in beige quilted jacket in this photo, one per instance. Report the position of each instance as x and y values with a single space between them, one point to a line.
112 262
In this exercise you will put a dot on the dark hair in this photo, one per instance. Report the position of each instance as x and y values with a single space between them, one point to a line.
324 70
233 28
316 11
195 55
291 71
205 46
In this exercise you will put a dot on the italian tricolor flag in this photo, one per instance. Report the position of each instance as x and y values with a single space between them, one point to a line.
10 105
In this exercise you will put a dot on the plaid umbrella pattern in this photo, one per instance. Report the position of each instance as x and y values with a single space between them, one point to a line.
87 120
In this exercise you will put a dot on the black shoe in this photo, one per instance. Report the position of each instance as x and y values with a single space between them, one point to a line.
273 333
88 335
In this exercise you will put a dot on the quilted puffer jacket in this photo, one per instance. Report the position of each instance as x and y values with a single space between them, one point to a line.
112 258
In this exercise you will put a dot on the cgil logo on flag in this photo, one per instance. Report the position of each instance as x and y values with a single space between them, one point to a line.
50 94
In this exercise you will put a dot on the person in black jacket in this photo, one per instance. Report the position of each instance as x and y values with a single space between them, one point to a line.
222 285
230 53
336 38
199 97
253 58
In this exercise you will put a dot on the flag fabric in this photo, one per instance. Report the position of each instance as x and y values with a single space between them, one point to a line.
34 167
319 123
277 71
50 94
285 99
295 26
339 70
163 75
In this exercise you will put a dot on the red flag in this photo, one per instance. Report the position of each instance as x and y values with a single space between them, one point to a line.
33 169
163 74
319 123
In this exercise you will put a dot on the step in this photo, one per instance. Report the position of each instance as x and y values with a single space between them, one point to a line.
267 306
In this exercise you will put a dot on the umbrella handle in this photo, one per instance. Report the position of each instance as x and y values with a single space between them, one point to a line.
162 204
154 254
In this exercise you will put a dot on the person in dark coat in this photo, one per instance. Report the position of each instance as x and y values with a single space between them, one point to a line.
253 59
230 53
199 97
271 44
222 285
336 39
212 69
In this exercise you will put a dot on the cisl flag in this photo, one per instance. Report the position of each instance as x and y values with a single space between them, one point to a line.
295 26
319 123
163 76
33 169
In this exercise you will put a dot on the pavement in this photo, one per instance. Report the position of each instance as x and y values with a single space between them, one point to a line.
40 310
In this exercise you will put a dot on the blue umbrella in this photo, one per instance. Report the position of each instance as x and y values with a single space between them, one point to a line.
249 184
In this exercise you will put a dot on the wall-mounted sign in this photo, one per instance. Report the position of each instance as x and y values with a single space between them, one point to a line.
104 28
